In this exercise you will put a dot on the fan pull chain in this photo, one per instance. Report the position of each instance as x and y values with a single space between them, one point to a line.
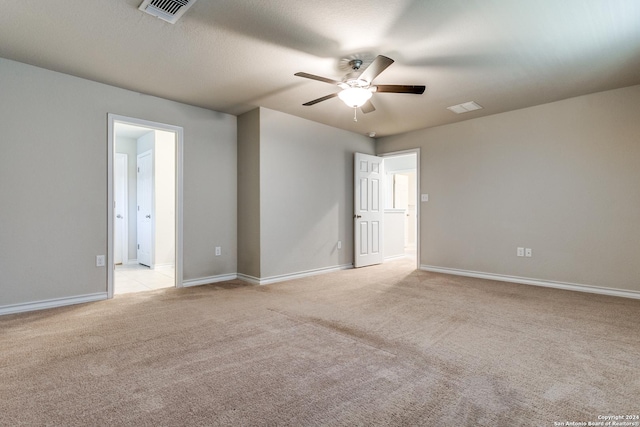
355 114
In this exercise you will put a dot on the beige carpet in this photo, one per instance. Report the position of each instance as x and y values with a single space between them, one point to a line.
382 345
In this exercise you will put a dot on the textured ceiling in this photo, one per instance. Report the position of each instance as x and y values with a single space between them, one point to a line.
234 55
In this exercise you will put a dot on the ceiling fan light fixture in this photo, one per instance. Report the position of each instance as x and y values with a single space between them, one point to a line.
355 97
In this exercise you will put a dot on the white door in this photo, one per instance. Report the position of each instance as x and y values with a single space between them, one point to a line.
121 229
368 210
145 208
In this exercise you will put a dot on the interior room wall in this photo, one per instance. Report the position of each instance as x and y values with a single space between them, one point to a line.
249 193
146 142
306 193
560 178
165 201
394 236
54 137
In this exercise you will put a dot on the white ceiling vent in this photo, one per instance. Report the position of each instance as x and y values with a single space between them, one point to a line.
465 108
167 10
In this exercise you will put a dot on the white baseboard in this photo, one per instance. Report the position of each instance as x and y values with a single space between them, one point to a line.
51 303
250 279
60 302
132 261
536 282
165 265
283 277
209 280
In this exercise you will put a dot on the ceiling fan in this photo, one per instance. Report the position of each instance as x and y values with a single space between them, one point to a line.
357 87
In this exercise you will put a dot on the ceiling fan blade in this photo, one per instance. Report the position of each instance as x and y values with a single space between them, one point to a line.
319 78
368 107
418 90
377 66
324 98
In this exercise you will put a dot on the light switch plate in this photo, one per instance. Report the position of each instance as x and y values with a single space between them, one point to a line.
424 197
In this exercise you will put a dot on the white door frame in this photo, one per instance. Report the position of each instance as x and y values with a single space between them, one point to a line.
418 202
179 131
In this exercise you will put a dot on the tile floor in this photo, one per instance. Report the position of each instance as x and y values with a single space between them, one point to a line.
138 278
411 251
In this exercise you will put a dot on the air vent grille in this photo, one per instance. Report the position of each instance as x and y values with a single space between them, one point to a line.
167 10
170 6
465 107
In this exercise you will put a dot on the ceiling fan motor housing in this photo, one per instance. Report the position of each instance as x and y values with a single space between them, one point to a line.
355 64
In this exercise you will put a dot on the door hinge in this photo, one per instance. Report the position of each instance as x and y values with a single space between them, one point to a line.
138 245
138 169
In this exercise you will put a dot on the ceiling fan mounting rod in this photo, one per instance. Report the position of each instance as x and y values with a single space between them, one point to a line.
355 64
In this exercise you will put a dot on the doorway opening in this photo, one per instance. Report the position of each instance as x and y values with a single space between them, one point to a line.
145 200
402 207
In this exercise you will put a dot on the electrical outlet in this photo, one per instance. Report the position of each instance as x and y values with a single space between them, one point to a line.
424 197
218 251
528 252
100 261
520 252
339 244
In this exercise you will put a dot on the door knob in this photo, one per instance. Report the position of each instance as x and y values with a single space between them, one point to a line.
148 216
118 216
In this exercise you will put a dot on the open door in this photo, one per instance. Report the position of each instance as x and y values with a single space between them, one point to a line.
145 223
368 210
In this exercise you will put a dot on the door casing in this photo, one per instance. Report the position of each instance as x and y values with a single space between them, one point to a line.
415 151
179 132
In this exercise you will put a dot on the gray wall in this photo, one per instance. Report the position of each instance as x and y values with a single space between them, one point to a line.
560 178
306 193
295 194
53 182
249 193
